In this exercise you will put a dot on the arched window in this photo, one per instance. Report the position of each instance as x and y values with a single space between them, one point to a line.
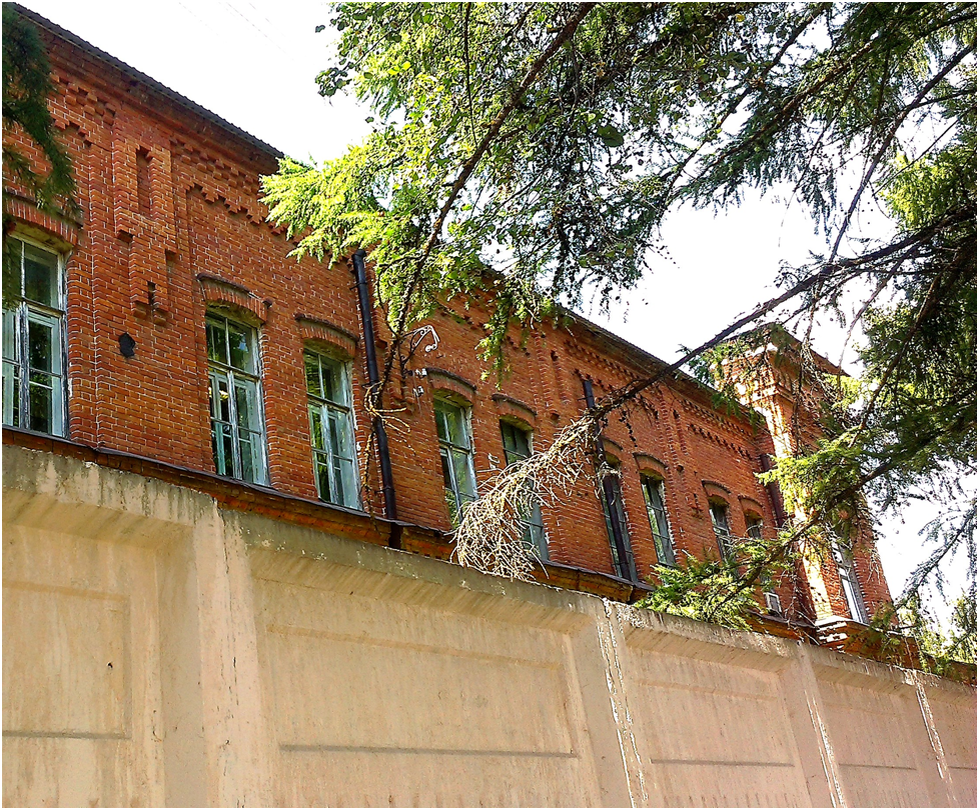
722 528
615 518
843 555
455 448
517 445
654 490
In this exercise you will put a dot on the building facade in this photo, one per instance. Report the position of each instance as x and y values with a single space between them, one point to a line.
792 387
208 603
170 323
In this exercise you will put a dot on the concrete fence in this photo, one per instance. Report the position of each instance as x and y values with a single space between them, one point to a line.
160 650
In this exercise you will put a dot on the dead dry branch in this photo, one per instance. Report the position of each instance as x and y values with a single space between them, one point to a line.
490 537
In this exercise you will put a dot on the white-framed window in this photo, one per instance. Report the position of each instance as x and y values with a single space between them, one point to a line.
773 604
332 429
516 447
850 584
33 337
654 491
235 388
615 511
455 449
722 529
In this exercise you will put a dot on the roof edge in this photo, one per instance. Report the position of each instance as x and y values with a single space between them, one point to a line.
149 81
643 357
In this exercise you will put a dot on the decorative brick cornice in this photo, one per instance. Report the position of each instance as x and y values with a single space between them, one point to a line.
236 201
82 105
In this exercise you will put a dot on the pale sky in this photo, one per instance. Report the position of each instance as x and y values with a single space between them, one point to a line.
253 62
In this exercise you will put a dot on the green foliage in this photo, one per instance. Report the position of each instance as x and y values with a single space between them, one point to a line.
961 643
528 152
925 401
937 650
555 203
957 644
643 106
721 591
824 483
25 85
705 590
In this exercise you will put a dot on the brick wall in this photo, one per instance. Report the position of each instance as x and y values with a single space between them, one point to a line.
172 224
785 389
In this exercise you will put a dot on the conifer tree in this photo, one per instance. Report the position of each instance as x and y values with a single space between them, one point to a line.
533 149
26 88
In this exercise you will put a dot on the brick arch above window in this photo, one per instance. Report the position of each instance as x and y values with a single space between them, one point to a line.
717 492
750 506
327 337
236 298
59 235
515 411
451 387
650 465
613 449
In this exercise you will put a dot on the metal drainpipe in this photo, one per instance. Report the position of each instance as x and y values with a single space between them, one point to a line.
610 498
374 378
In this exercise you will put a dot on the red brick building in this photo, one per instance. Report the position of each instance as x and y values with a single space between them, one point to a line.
169 323
790 386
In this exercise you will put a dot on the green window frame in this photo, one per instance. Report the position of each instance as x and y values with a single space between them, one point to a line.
722 529
654 491
34 338
235 391
455 450
332 429
517 446
616 511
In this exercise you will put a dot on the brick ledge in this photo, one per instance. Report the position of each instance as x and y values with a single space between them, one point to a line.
245 497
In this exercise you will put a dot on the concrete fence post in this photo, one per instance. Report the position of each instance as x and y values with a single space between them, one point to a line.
809 722
230 683
941 765
614 653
